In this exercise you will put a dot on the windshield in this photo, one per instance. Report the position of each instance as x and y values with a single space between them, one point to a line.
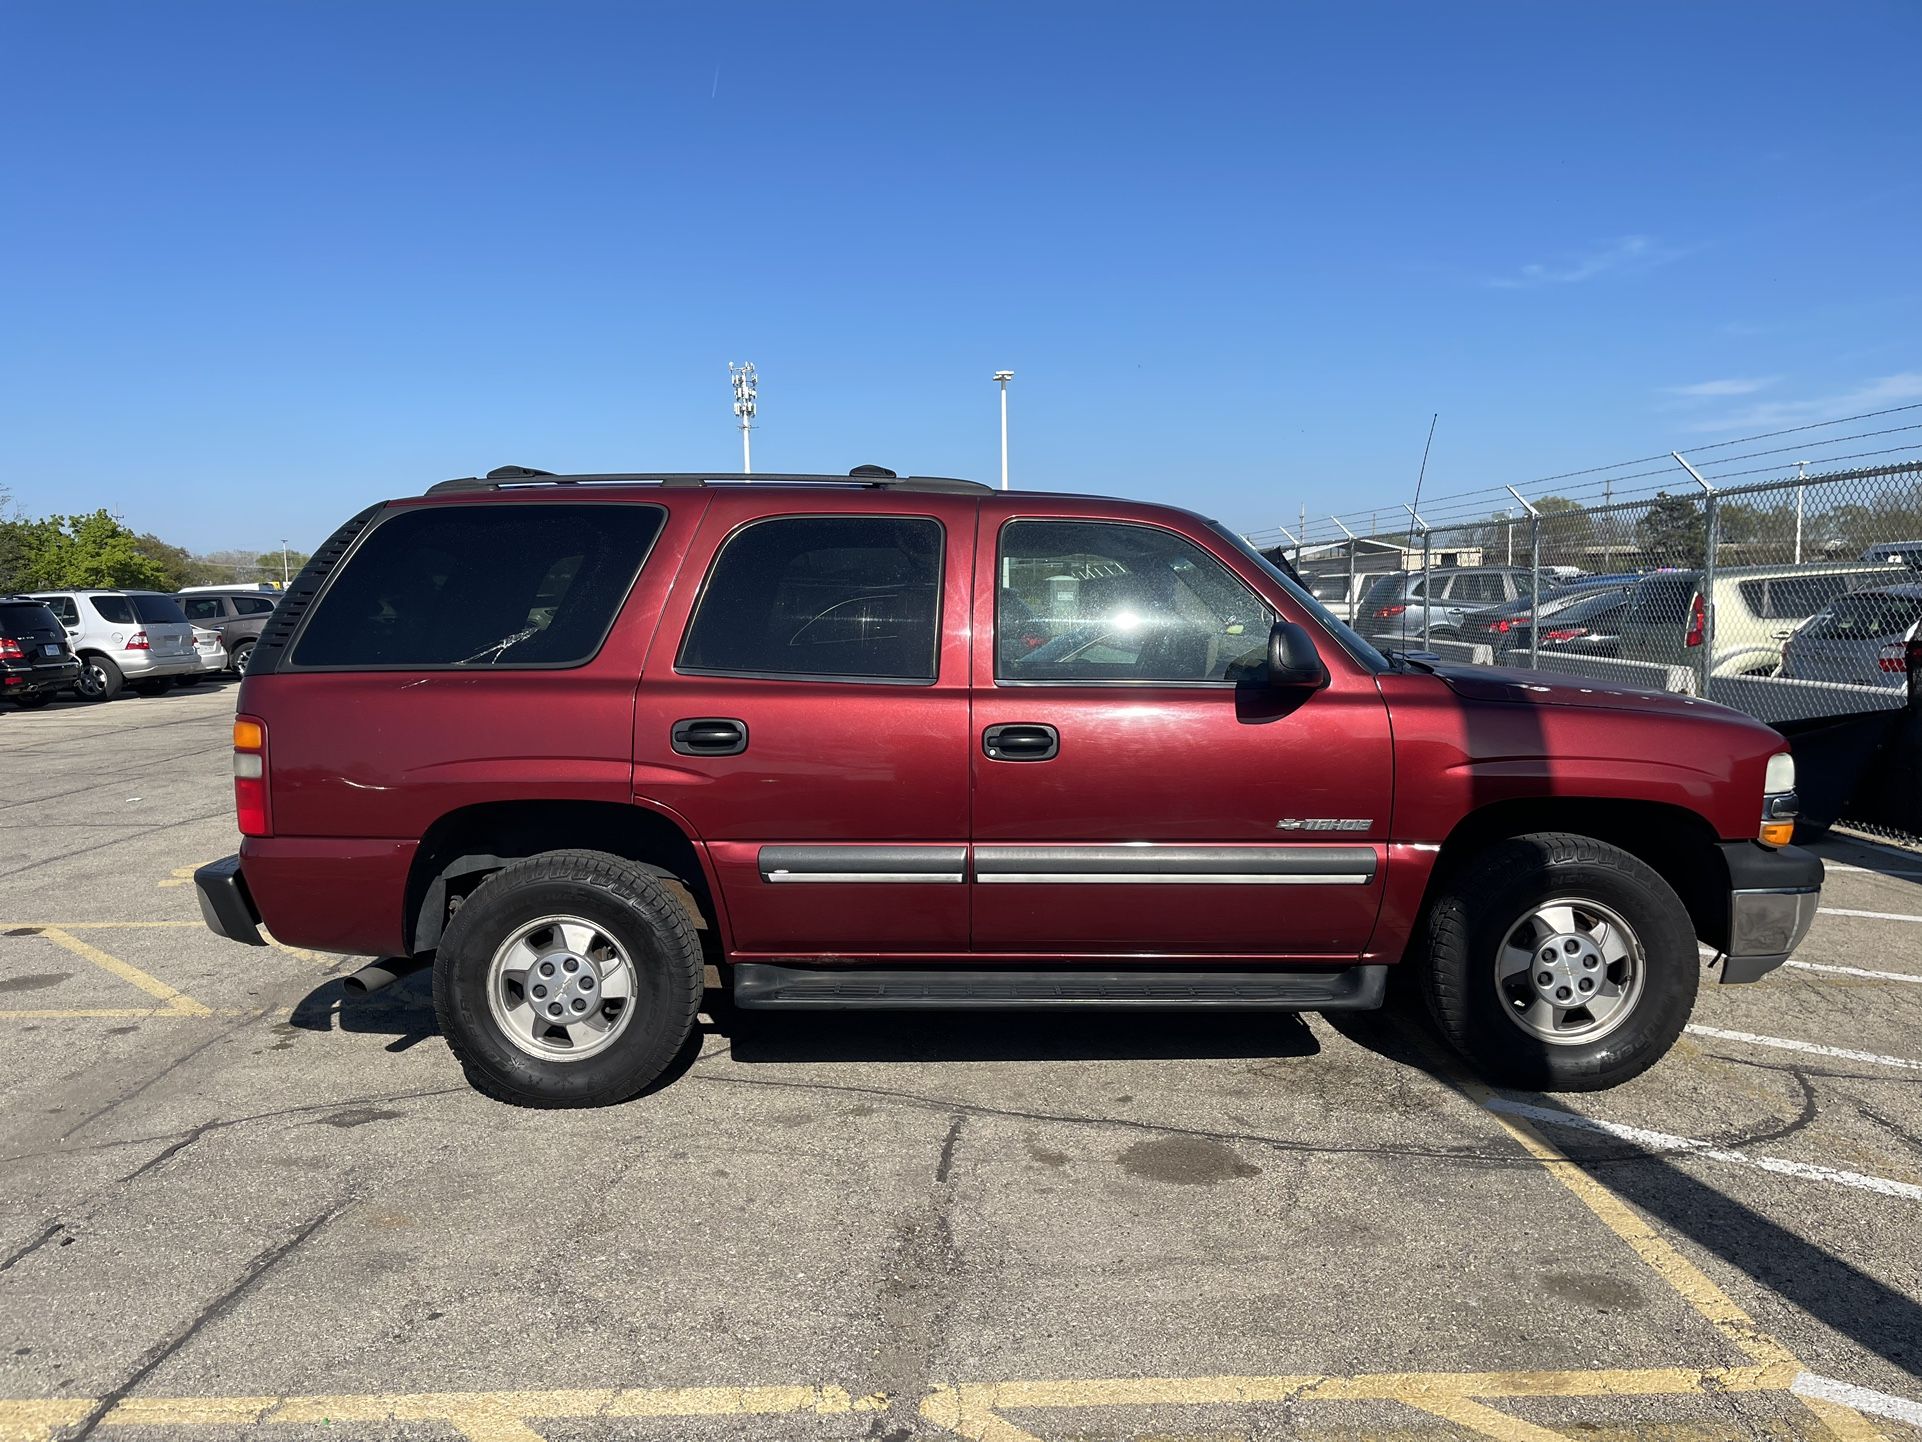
1351 642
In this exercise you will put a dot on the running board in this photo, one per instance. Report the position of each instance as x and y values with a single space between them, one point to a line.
760 985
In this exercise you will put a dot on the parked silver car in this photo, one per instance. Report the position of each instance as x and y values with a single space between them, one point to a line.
1859 638
124 638
1398 605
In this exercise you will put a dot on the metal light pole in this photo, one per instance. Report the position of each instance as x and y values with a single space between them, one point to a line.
1002 378
283 563
744 380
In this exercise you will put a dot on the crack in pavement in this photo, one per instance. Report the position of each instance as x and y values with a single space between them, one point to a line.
30 1248
249 1278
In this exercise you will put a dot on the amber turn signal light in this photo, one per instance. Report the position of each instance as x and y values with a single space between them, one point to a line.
1776 833
249 735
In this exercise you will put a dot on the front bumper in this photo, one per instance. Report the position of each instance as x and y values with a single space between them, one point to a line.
1773 896
225 903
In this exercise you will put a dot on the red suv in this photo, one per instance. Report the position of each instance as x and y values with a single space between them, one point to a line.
869 742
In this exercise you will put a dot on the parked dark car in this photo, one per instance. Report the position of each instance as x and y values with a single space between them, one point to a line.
35 661
238 615
1589 626
1491 625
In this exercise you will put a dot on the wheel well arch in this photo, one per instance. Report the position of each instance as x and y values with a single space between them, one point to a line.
1679 844
466 846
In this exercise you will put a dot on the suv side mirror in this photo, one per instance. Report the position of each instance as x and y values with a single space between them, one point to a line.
1292 657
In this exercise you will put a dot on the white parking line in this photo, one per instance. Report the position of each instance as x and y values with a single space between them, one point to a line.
1812 1048
1664 1142
1871 915
1853 971
1869 870
1862 1399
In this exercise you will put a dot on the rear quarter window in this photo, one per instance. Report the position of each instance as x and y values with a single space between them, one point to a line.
1791 598
497 586
114 610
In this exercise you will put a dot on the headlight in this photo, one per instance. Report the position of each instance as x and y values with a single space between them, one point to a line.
1781 774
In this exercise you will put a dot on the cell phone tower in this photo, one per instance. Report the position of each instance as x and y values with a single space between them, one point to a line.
744 382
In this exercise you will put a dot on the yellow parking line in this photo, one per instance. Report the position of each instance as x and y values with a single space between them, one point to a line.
1689 1282
481 1416
973 1410
96 925
1480 1418
177 1002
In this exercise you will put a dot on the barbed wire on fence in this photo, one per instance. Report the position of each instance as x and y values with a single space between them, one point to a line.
1637 479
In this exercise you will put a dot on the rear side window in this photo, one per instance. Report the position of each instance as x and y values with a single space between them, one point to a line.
203 608
486 586
252 605
1477 586
64 610
114 610
18 618
159 610
836 597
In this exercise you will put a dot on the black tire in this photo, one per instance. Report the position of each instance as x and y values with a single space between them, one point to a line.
637 912
33 702
100 679
1480 906
237 663
1807 831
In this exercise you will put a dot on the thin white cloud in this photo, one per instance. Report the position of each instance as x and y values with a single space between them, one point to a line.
1902 388
1630 252
1733 386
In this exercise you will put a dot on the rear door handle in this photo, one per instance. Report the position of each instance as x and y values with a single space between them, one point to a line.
1021 741
710 736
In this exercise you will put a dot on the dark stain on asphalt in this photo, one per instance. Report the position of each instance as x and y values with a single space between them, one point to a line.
1593 1289
1047 1158
121 1030
38 981
21 931
357 1117
1186 1161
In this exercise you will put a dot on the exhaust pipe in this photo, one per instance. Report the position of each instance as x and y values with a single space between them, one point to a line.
381 974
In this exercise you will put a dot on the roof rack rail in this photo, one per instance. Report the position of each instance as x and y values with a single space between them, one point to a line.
861 478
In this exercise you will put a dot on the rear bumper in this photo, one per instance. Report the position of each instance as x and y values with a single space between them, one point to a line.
28 680
145 666
1773 897
225 904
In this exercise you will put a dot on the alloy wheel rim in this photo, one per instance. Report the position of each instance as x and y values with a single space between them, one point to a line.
561 988
1569 971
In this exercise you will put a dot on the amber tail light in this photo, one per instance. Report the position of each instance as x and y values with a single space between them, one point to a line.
251 807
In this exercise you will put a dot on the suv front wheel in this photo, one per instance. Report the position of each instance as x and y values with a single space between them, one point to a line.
568 980
1561 963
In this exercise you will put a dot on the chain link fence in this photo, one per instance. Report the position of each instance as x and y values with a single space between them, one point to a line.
1795 600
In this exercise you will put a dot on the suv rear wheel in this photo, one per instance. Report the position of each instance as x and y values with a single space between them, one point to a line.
1561 963
237 663
568 980
100 679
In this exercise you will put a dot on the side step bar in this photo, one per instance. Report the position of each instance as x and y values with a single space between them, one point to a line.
763 985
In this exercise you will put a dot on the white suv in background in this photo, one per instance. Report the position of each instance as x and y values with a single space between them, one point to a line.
124 638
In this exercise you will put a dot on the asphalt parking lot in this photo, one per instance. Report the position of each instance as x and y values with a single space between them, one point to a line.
233 1201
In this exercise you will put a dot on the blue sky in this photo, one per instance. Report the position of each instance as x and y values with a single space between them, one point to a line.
265 262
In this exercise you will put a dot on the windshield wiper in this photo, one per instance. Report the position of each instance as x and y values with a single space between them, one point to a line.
1426 660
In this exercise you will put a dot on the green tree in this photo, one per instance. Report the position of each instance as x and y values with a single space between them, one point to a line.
270 564
1568 531
1672 532
90 550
